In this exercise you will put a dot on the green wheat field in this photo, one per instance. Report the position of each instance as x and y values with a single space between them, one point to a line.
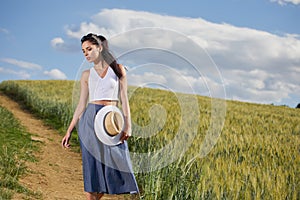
257 155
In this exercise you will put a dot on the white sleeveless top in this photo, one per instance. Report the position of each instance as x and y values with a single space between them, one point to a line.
106 88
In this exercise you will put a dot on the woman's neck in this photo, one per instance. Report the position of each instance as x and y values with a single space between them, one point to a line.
100 65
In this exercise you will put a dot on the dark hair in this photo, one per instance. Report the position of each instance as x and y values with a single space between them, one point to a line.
107 56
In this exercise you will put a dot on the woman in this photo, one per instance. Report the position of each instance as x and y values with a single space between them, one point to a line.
102 163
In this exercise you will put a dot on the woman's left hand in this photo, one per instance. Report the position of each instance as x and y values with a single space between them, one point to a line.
125 135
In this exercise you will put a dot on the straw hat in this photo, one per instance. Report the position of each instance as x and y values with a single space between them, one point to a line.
109 124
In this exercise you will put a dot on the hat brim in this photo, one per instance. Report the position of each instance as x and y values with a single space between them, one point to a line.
100 131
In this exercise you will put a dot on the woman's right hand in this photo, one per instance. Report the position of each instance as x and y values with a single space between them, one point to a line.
65 141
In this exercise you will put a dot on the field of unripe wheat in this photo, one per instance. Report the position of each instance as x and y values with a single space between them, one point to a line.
256 155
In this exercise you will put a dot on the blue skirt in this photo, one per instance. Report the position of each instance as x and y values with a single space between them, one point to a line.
106 169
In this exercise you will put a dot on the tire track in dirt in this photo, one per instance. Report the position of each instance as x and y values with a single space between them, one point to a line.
58 172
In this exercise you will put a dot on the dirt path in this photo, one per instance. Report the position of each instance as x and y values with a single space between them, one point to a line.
58 172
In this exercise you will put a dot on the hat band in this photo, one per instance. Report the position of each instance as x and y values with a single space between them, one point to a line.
112 124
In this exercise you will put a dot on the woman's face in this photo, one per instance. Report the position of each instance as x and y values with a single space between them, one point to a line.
90 51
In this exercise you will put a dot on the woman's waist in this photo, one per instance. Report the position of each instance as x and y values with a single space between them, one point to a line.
105 102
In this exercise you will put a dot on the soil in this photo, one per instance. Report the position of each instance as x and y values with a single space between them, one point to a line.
58 172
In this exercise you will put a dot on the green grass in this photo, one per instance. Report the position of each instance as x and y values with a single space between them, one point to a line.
15 149
255 157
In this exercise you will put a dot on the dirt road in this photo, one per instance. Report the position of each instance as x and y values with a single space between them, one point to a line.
58 172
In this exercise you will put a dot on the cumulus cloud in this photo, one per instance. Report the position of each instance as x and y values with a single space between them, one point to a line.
22 64
260 86
255 65
146 78
283 2
59 44
55 74
17 74
28 67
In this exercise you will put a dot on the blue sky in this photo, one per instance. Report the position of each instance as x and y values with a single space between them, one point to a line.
254 44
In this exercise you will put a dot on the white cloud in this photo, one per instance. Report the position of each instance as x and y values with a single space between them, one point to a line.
55 74
255 65
17 74
242 45
146 78
259 86
57 41
59 44
4 30
22 64
283 2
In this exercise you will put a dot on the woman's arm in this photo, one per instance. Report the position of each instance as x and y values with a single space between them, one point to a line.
84 93
125 105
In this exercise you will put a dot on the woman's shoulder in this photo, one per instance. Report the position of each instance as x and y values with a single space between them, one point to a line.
123 69
122 66
87 71
85 74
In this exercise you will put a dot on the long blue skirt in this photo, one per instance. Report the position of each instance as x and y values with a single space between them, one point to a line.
106 169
